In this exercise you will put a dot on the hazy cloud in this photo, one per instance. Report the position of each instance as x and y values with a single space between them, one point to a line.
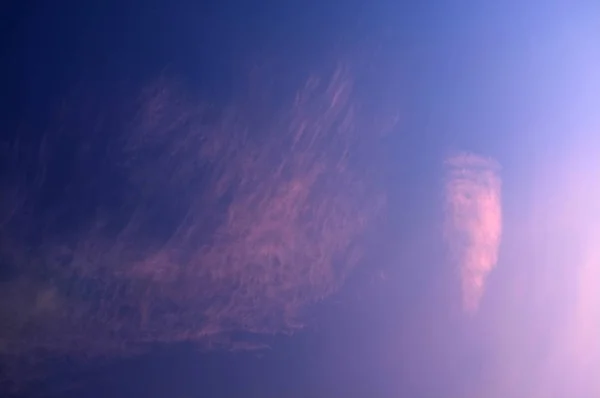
473 224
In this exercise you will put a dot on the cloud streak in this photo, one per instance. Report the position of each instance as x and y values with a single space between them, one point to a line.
223 223
473 221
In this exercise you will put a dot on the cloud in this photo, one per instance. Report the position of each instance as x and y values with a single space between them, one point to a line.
222 221
473 221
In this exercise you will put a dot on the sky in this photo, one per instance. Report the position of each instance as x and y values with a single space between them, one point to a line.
469 175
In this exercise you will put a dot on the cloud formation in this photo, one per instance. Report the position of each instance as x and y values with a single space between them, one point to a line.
194 223
473 221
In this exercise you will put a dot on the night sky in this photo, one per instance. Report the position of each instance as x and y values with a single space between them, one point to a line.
516 82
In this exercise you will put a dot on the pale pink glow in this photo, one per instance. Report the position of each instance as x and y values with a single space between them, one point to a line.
544 332
473 225
583 331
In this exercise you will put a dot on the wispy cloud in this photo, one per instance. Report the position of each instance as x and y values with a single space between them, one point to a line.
229 221
473 225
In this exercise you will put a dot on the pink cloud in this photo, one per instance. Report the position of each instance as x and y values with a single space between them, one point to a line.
473 224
